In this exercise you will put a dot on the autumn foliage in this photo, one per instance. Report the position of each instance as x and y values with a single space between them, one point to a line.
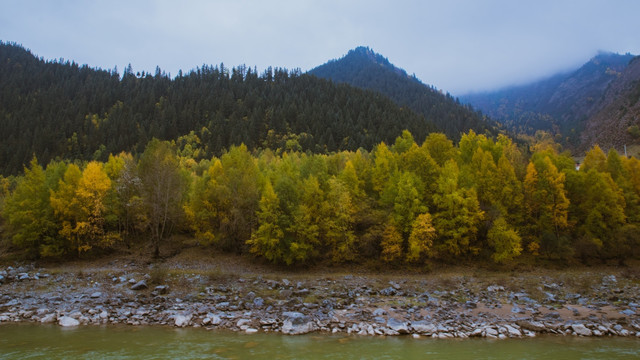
400 203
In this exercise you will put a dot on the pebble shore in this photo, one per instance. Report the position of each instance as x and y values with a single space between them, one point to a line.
460 307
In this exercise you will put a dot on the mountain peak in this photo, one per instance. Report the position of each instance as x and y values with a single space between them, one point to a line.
366 53
364 68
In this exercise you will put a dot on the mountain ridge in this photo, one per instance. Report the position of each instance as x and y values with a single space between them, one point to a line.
364 68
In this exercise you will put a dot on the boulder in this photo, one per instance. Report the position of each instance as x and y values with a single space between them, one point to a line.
66 321
397 325
182 320
296 323
531 325
581 330
423 327
96 295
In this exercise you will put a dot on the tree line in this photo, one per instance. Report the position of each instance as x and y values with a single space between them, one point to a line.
403 202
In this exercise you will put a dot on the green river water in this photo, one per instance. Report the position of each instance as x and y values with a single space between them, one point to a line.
29 341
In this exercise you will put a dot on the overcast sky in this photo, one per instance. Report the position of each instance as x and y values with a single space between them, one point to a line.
457 46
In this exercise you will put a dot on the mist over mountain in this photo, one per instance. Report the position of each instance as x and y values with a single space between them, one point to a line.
363 68
561 104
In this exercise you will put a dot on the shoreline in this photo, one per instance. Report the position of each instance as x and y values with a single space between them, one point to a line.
519 306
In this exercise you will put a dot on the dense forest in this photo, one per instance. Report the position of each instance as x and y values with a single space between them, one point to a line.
404 202
60 110
364 68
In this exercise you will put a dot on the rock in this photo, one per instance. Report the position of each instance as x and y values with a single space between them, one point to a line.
162 289
250 296
581 330
251 331
470 305
66 321
222 305
140 285
397 326
390 291
268 322
286 282
286 293
296 323
495 288
395 285
2 279
214 319
243 322
531 325
379 312
258 302
627 312
490 332
12 302
96 295
182 320
423 327
103 315
512 331
49 318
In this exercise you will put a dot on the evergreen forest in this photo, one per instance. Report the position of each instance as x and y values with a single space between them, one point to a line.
60 110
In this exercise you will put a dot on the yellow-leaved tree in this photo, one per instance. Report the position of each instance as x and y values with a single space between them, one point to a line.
79 202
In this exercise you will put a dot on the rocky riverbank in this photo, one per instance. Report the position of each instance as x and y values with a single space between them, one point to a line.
456 306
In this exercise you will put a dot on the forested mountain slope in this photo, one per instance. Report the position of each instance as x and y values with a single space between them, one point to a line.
617 121
366 69
58 109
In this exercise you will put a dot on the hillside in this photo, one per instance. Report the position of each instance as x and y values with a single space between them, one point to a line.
559 104
59 109
366 69
616 122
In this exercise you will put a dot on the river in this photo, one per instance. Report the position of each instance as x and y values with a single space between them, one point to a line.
29 341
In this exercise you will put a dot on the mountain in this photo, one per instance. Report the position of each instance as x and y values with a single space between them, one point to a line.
364 68
617 121
54 109
560 104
